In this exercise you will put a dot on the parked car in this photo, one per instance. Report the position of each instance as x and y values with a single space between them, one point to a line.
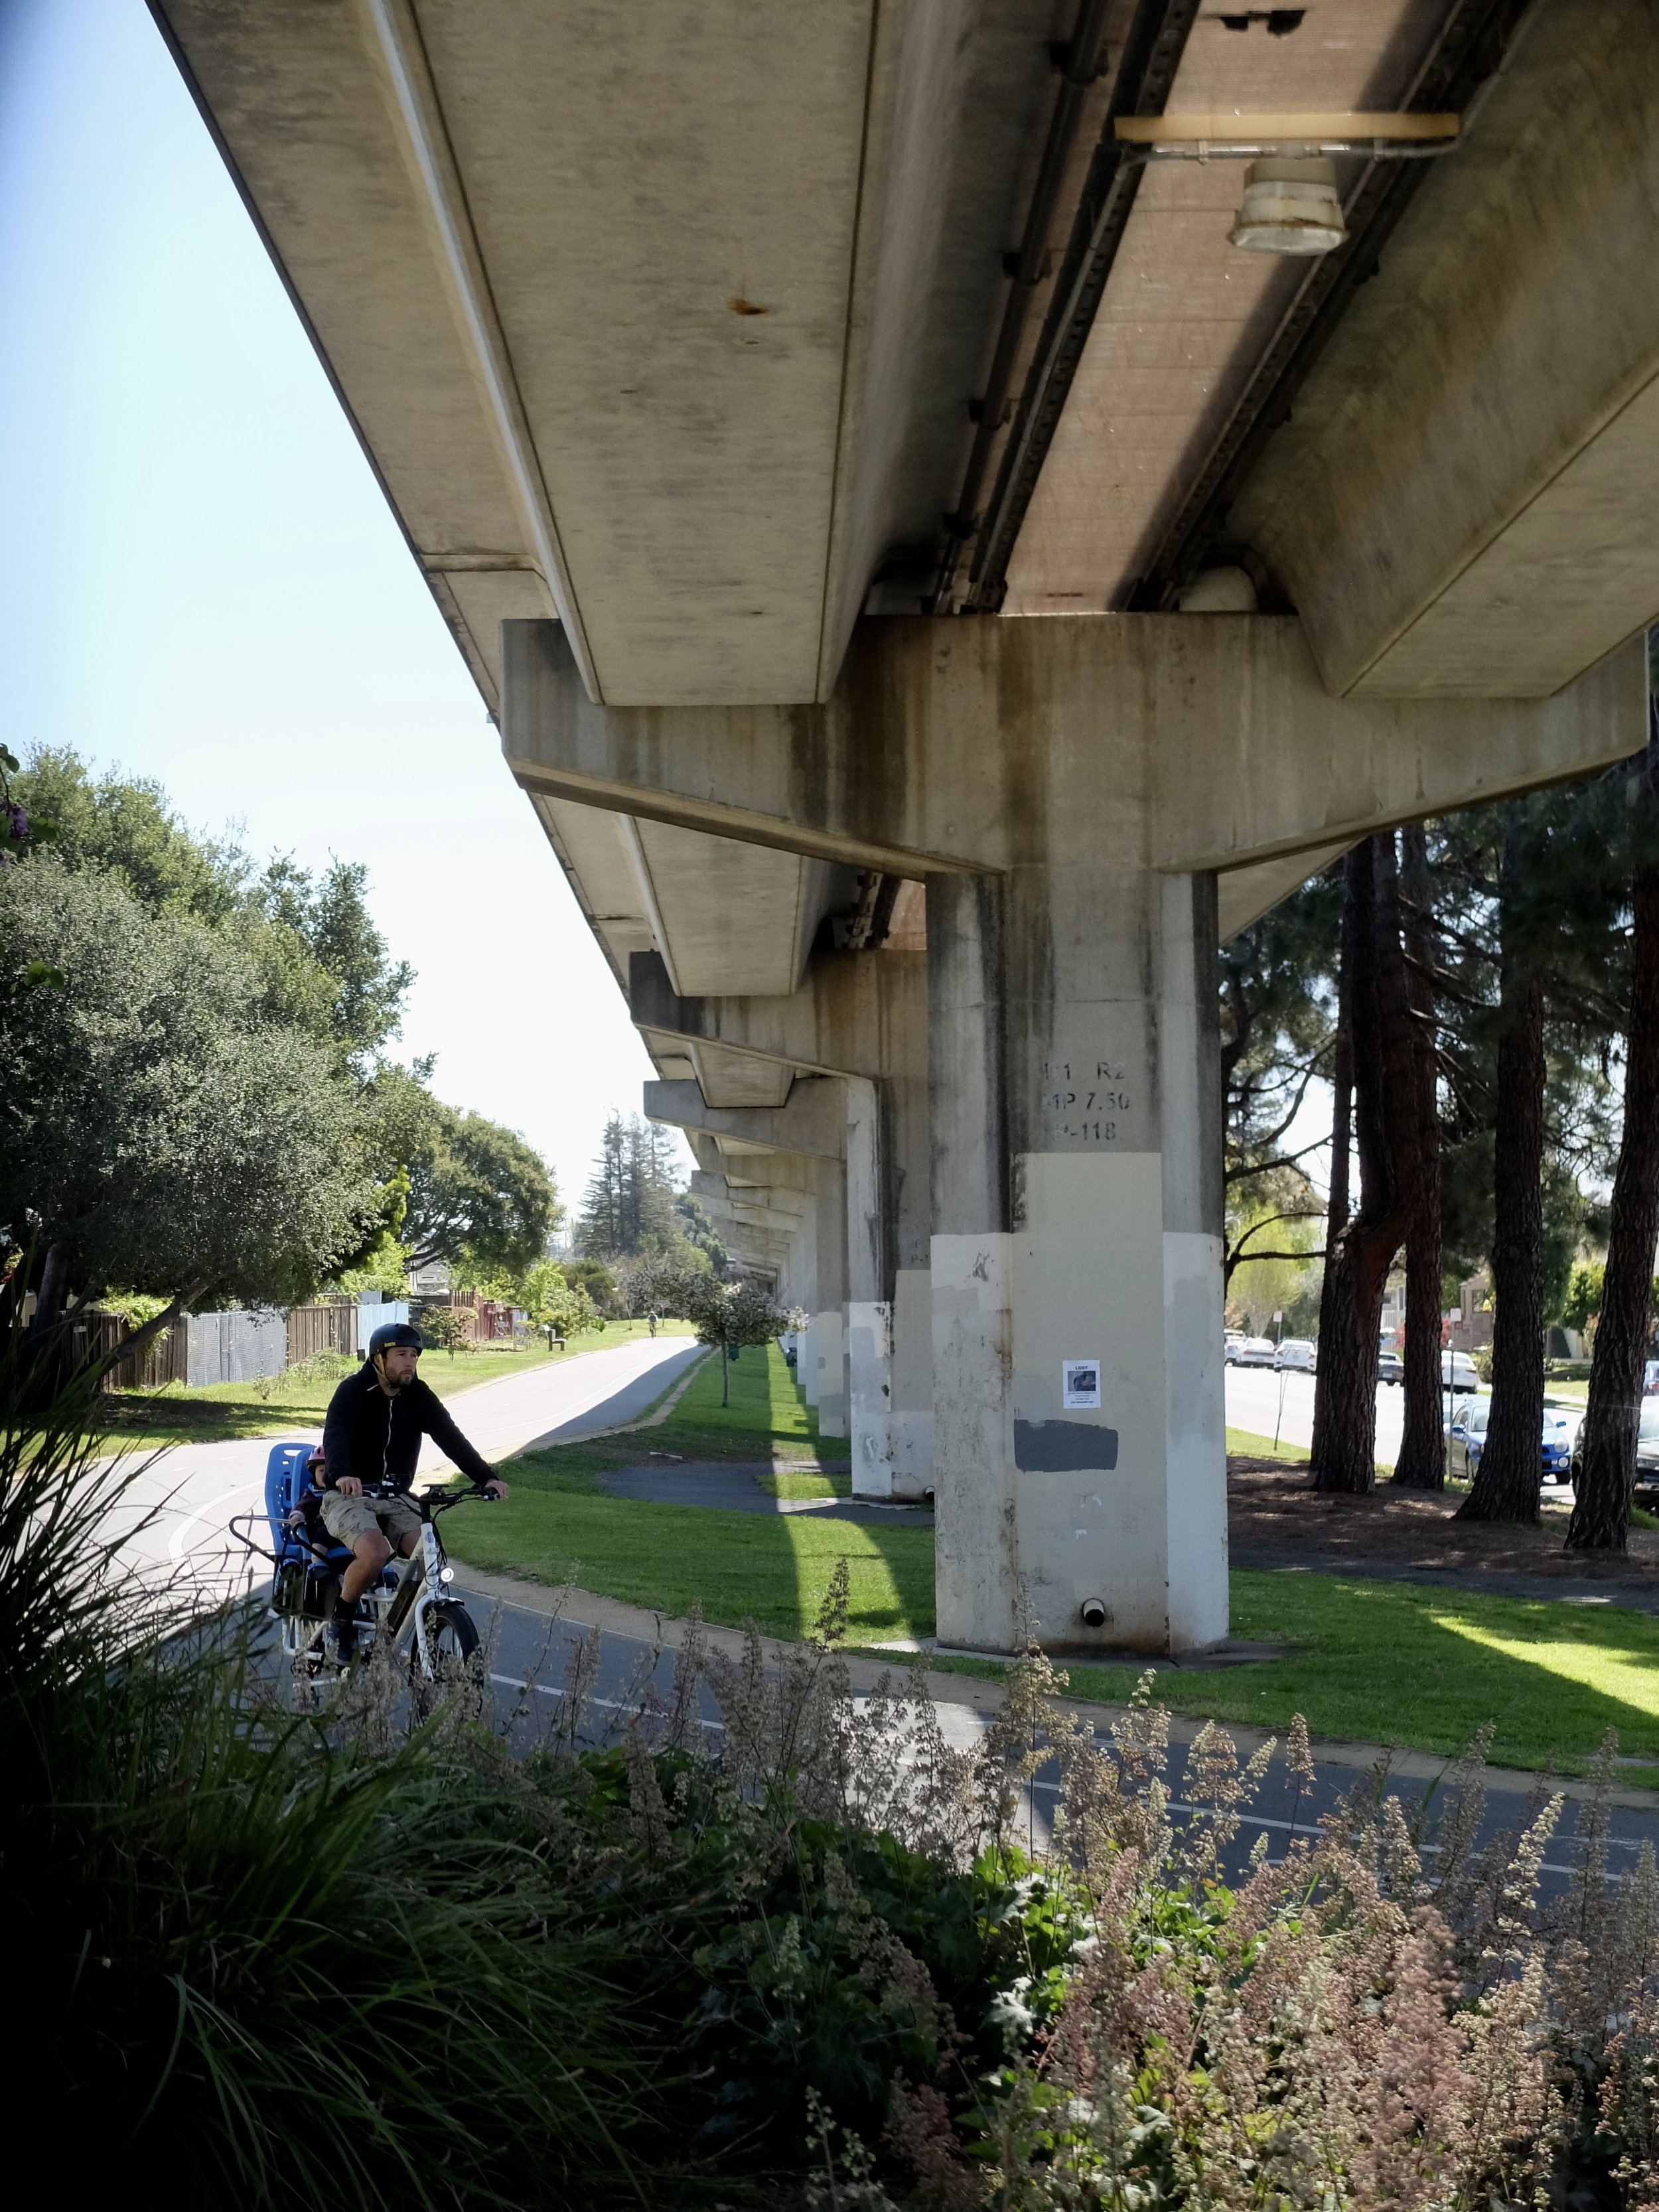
1459 1372
1390 1367
1651 1376
1231 1340
1251 1351
1647 1447
1560 1434
1466 1440
1297 1352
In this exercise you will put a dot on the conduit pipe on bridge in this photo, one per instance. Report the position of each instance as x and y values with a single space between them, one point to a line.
1080 66
1145 73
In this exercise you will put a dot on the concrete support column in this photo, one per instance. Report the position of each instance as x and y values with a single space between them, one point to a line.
1079 1434
829 1322
890 1295
869 1293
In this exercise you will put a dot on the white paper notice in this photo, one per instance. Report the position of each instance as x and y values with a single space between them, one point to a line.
1079 1383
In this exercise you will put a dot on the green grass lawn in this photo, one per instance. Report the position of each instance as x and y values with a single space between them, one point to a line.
774 1568
1380 1662
1370 1660
1393 1662
144 1419
1243 1445
805 1482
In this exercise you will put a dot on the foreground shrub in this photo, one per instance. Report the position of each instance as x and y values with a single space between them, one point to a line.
802 1954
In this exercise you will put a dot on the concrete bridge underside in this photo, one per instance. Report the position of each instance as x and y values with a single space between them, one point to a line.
933 589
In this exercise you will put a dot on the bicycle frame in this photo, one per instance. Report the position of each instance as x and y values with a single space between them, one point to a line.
398 1604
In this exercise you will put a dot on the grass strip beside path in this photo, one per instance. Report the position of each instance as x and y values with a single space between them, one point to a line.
1241 1445
774 1568
1374 1661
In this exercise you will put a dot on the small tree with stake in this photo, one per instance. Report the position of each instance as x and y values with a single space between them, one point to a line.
732 1314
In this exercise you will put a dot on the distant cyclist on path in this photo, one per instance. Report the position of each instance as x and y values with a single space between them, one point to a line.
371 1443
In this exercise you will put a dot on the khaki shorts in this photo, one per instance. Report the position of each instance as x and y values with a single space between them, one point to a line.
348 1518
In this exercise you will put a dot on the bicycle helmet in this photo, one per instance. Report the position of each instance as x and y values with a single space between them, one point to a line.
392 1333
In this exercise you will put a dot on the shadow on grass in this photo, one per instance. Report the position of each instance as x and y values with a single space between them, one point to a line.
774 1569
1390 1662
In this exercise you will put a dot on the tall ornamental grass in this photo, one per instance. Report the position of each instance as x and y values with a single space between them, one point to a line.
749 1941
253 1963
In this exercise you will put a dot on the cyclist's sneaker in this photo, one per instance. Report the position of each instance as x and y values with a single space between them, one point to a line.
340 1639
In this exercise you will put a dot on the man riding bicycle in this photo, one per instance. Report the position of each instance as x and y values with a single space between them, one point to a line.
371 1442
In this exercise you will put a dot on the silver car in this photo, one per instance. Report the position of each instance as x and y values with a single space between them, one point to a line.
1297 1353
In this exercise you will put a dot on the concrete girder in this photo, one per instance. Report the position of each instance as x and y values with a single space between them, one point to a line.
1218 724
814 1120
763 1205
1244 895
1463 500
856 1014
787 1173
668 313
725 1077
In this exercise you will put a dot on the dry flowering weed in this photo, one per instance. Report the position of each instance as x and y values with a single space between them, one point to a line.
1375 2015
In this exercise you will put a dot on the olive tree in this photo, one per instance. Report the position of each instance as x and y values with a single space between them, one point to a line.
731 1315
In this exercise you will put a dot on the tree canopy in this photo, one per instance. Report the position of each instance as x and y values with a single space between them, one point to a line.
196 1101
161 1129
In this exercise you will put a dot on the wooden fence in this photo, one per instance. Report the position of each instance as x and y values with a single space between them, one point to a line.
165 1357
331 1327
489 1323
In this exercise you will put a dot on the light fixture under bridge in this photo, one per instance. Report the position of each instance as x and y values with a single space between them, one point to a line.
1289 207
1290 202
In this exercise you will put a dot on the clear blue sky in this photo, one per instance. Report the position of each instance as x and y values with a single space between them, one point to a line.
200 581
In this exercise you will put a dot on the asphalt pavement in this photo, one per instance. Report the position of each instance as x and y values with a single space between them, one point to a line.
532 1648
178 1507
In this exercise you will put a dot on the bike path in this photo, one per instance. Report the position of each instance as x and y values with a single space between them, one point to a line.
185 1498
531 1632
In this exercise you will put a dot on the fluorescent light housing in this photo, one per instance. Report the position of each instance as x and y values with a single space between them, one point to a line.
1289 207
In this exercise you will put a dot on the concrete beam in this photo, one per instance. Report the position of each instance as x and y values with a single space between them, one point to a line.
763 1205
857 1013
1244 895
1463 500
1218 726
814 1121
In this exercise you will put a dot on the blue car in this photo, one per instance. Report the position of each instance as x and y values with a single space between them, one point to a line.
1466 1440
1559 1433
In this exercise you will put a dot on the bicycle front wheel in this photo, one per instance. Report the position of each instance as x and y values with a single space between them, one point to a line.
445 1639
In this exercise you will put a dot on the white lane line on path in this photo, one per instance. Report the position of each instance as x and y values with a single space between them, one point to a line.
176 1542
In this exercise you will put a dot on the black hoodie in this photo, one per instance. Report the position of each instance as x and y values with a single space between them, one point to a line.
377 1438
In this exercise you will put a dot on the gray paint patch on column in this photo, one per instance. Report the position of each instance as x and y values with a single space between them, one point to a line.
1064 1448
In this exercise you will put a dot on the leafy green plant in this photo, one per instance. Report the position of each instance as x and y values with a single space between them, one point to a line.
270 1964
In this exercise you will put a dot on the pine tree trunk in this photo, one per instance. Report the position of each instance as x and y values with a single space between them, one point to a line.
1607 1482
726 1376
1422 1461
1334 1287
1356 1271
49 1298
1510 1474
